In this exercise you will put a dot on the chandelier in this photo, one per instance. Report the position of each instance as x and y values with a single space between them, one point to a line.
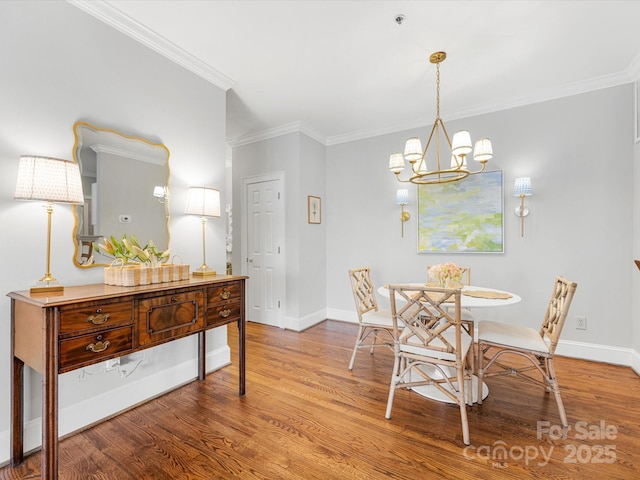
460 147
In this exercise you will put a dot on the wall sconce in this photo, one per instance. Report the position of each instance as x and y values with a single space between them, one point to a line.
402 199
522 188
54 181
205 202
161 192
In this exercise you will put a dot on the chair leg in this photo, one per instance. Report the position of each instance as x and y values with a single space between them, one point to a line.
392 388
553 383
480 372
355 349
463 407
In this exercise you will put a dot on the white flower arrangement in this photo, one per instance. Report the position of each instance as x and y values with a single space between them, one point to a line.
445 273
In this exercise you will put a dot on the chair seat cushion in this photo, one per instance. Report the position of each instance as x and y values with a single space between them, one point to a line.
506 334
413 344
379 317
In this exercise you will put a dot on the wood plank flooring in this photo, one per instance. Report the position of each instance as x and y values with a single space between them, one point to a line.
306 416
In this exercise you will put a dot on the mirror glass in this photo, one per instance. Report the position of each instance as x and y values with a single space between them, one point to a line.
125 181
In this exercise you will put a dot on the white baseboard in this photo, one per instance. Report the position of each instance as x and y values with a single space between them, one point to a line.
349 316
567 348
82 414
300 324
599 353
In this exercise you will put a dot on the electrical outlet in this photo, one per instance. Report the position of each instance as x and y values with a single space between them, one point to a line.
581 323
112 364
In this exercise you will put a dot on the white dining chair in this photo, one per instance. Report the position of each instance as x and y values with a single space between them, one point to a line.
430 345
468 320
501 343
373 323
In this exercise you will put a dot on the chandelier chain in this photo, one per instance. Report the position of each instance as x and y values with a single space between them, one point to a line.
437 90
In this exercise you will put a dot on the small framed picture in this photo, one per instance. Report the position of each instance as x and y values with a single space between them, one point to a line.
314 209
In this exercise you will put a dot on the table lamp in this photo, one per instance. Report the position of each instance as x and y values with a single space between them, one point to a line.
205 202
54 181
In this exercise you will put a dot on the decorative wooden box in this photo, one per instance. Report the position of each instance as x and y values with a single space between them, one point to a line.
132 275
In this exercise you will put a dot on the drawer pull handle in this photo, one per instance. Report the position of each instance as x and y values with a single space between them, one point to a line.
174 299
98 346
98 319
225 313
225 295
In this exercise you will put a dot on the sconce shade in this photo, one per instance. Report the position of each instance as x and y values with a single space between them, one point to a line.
522 187
49 179
402 197
203 201
159 191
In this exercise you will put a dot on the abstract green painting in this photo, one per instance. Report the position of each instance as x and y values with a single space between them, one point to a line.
462 216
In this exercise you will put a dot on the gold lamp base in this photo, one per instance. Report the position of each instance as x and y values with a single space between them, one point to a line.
204 271
47 287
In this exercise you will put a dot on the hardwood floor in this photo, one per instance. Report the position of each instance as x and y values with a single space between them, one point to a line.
306 416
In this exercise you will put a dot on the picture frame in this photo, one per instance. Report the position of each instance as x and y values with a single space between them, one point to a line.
466 216
314 209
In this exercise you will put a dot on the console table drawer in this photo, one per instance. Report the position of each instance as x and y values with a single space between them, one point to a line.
226 292
168 316
221 314
95 347
106 315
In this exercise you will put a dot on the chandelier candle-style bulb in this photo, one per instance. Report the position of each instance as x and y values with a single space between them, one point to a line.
483 151
413 149
458 162
461 143
460 147
396 162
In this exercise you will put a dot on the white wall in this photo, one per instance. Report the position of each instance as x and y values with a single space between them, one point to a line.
60 65
302 160
635 284
578 152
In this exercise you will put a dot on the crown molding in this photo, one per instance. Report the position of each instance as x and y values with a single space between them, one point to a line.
598 83
125 24
122 152
118 20
293 127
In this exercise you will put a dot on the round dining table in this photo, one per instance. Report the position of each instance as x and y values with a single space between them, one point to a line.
472 297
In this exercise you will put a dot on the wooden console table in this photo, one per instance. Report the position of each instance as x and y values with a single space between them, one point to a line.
92 323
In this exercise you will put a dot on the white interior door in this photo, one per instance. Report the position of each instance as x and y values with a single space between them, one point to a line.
264 214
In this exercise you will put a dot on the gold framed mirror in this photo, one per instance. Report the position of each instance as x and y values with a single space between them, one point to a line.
125 180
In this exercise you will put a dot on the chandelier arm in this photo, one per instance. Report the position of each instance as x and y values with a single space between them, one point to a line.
444 129
423 160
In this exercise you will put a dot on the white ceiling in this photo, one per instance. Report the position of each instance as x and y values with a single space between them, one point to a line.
341 70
